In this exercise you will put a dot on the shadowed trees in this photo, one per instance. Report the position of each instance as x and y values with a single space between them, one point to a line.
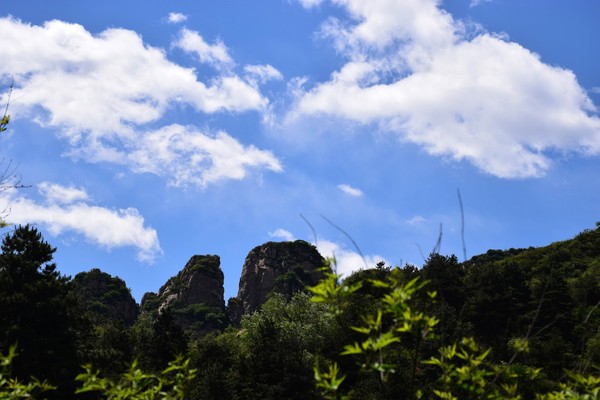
39 310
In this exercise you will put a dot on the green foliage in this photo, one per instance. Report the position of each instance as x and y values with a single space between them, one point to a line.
279 346
292 281
39 311
206 318
466 370
467 374
328 381
517 324
578 387
4 122
11 388
169 384
157 340
105 298
393 322
134 384
329 290
219 362
108 346
207 264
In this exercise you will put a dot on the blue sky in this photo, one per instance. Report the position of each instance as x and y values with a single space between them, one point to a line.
152 131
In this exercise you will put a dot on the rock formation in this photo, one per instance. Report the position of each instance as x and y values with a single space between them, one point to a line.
194 296
105 296
283 267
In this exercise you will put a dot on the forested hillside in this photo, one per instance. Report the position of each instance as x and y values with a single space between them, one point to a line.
381 333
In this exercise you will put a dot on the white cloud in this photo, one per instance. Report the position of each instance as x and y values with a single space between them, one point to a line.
262 73
415 71
216 54
596 90
379 23
416 220
103 90
475 3
108 82
281 233
101 226
176 18
188 156
349 190
58 194
348 261
310 3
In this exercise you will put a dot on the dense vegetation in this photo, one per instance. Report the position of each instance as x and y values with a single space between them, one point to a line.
504 325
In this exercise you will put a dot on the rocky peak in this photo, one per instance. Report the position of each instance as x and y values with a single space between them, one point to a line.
194 296
105 296
282 267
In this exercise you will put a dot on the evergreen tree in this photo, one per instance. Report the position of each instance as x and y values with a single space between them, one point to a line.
39 312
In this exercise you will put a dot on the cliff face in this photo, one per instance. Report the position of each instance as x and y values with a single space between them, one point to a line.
194 296
106 296
282 267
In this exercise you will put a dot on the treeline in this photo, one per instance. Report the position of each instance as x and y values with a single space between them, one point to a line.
381 333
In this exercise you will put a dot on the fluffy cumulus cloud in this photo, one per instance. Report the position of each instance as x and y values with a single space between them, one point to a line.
103 91
108 82
187 156
413 69
348 261
58 194
67 209
349 190
215 54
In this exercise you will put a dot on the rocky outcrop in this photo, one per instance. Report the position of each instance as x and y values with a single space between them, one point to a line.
282 267
105 297
194 296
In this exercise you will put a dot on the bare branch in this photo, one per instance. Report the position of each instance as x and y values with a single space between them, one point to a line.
349 237
438 244
311 228
462 225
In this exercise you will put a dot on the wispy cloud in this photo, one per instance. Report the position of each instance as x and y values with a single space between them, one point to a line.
349 190
66 209
415 71
176 18
281 233
416 220
475 3
310 3
262 73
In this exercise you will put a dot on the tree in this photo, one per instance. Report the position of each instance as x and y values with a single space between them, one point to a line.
279 344
39 311
157 340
